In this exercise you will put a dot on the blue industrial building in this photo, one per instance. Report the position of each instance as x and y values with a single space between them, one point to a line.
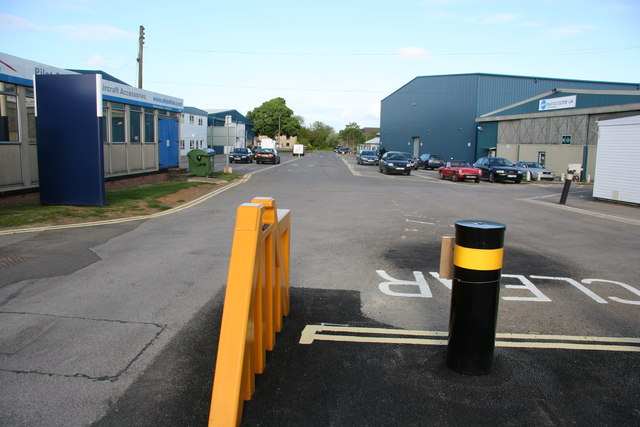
437 114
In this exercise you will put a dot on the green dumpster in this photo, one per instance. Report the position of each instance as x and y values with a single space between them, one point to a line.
201 162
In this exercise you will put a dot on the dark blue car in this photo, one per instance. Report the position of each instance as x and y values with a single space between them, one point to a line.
395 162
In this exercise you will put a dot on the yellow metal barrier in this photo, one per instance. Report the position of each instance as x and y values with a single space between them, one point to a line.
256 299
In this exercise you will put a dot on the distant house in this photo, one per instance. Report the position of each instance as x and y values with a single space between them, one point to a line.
370 131
283 142
372 144
193 130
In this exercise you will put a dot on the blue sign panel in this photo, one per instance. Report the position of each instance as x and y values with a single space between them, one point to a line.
70 151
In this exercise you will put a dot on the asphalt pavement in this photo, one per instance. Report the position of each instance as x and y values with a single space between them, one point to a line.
117 325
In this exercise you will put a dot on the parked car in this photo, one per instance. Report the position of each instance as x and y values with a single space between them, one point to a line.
460 170
243 155
268 155
431 161
498 169
536 170
343 150
367 157
394 162
413 162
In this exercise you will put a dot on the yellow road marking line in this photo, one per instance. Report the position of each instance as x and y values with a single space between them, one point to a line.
351 168
313 333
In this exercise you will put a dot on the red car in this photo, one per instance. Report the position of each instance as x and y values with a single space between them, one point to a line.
460 170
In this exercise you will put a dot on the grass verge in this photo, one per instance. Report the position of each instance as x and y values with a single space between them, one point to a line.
126 202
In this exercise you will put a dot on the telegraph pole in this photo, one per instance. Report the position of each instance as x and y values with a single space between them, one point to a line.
140 44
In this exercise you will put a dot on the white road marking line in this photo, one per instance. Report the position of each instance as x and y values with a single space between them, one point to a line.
418 222
584 212
313 333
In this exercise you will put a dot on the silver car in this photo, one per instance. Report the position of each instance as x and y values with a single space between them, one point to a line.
537 171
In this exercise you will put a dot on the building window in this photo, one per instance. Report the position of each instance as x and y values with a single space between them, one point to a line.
135 134
191 120
149 127
117 122
182 144
105 114
8 113
200 121
31 116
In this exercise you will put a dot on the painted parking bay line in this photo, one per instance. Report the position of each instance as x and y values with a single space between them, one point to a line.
313 333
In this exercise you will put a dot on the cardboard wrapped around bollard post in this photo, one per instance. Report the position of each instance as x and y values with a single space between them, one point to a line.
477 259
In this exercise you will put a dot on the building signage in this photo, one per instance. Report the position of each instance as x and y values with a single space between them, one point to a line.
22 71
557 103
118 92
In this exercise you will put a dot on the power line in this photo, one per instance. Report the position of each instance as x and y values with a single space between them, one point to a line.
387 54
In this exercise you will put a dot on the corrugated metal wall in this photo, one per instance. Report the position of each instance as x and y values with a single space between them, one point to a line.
618 151
441 110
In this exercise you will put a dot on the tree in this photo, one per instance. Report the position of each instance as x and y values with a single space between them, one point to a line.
274 118
319 135
352 135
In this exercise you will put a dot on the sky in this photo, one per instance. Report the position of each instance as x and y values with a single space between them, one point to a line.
332 61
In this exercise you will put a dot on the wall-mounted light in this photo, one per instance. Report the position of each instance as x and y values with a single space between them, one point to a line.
480 128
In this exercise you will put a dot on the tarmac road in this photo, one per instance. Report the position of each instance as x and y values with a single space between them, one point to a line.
117 325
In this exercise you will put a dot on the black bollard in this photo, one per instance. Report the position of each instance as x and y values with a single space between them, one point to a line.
477 259
565 189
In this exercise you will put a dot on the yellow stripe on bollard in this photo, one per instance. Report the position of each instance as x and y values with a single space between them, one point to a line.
478 259
256 298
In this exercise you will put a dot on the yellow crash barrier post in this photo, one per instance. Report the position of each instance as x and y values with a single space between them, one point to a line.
256 299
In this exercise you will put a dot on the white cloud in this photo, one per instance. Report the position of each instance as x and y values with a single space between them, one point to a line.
98 61
16 23
568 31
95 32
412 52
374 109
